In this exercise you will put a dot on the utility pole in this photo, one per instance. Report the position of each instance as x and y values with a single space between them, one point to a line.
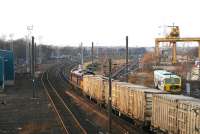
11 42
110 98
81 53
92 53
39 49
28 49
97 52
188 78
27 55
126 58
33 65
29 58
35 56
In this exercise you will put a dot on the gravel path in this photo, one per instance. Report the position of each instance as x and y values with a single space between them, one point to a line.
20 113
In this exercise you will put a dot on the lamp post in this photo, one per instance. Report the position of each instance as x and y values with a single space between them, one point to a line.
11 42
28 48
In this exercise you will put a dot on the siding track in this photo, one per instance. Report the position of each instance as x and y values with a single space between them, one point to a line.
69 122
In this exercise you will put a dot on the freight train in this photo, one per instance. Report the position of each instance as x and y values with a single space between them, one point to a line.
76 76
156 109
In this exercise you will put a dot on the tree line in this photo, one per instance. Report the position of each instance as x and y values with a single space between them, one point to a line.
45 52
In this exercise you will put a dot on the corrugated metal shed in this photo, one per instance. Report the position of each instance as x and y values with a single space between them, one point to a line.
8 66
1 73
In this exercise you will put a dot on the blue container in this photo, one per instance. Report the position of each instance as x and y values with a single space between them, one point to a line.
8 66
1 73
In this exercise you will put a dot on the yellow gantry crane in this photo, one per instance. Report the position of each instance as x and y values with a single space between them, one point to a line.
172 38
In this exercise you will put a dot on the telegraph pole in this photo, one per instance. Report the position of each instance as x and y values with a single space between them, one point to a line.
11 43
126 58
29 58
35 56
81 53
33 65
28 49
92 53
110 98
35 78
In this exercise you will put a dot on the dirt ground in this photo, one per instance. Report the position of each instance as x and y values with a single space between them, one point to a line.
117 63
142 78
20 113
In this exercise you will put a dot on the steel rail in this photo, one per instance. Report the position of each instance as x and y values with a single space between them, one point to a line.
61 121
66 107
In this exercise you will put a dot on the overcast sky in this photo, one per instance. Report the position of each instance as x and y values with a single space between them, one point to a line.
106 22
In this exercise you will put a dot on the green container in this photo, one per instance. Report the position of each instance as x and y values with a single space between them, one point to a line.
8 66
1 73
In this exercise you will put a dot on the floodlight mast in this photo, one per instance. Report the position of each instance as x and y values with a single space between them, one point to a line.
28 48
11 43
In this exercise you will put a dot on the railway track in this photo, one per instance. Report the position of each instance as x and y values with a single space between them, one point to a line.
77 114
119 124
87 104
81 115
68 120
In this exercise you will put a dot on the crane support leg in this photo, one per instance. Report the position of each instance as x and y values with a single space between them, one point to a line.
174 53
157 51
199 50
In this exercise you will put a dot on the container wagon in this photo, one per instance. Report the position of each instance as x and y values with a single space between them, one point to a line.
188 117
93 86
9 74
167 113
132 100
167 81
173 114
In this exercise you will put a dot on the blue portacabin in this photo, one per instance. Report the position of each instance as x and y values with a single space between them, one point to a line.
1 73
8 66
